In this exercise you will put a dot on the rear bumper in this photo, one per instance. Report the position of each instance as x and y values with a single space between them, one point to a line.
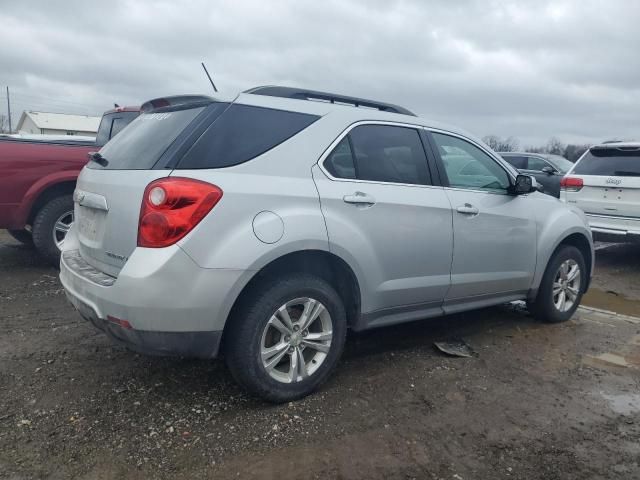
607 228
174 307
187 344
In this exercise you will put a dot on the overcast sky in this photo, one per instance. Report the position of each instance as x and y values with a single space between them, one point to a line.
531 69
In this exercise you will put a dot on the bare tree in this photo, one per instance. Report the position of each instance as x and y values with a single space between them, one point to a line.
555 146
574 152
498 144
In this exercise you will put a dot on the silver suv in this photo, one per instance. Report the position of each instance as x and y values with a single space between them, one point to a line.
266 225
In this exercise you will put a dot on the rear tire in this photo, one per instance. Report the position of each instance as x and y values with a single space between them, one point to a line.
23 236
47 227
562 286
315 347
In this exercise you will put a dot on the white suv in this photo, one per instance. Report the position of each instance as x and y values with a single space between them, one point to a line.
605 184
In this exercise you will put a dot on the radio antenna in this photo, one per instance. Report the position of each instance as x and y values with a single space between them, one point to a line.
209 77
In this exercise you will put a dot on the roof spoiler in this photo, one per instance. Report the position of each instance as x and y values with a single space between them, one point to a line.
175 101
301 94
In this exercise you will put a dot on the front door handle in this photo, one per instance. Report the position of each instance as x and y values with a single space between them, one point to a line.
468 209
359 198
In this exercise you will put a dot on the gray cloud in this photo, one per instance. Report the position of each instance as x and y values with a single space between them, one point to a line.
530 69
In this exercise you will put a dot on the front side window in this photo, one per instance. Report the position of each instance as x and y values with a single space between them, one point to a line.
380 153
537 164
467 166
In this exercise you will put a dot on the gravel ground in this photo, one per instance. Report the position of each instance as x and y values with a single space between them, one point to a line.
535 401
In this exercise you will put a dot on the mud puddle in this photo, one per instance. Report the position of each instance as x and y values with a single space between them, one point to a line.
612 301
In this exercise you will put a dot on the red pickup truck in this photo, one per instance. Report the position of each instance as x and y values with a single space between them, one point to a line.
37 180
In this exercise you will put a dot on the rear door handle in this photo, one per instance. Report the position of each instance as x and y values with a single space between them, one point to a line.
468 209
359 198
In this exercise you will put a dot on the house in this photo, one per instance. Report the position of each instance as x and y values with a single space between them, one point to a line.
57 124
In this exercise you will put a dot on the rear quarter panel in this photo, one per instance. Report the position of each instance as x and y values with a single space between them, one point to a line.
29 168
278 181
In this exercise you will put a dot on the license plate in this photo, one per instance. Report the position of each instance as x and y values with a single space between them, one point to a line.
88 223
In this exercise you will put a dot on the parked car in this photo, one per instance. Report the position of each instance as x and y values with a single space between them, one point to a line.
547 169
38 176
605 183
267 225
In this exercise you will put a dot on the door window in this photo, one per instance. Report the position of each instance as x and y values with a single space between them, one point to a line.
517 161
536 164
467 166
340 162
380 153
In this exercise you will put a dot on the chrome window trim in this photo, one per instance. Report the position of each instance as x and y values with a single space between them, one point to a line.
320 163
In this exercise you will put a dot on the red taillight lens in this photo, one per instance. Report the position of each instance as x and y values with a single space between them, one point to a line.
571 184
171 207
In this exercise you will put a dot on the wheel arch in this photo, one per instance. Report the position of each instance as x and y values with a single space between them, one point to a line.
580 241
322 263
52 191
577 237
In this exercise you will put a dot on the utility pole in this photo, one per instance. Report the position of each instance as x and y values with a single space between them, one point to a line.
9 108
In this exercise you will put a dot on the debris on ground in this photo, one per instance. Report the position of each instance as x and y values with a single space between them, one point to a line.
455 347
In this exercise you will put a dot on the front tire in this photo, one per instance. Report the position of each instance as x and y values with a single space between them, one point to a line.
562 286
23 236
51 225
287 337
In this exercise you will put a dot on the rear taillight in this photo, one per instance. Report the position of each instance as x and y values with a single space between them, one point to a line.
571 184
171 207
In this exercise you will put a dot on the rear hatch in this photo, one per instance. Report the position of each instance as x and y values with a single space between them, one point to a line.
611 182
176 133
110 188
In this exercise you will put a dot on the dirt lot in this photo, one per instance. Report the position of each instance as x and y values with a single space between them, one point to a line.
536 401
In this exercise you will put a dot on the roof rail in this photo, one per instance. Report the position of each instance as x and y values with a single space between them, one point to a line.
301 94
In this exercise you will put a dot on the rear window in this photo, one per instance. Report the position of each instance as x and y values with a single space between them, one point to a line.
111 124
610 162
142 143
241 133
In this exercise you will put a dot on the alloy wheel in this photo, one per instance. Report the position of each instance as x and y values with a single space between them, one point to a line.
566 285
296 340
61 228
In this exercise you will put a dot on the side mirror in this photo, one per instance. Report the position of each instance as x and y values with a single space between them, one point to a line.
524 184
549 170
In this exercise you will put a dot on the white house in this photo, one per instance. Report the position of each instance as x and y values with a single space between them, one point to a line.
57 124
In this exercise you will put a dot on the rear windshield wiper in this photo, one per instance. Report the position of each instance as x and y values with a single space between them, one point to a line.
623 173
99 159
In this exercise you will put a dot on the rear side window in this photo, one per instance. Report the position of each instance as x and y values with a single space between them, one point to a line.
142 143
241 133
380 153
610 162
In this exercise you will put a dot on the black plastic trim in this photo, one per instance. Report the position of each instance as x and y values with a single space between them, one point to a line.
302 94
